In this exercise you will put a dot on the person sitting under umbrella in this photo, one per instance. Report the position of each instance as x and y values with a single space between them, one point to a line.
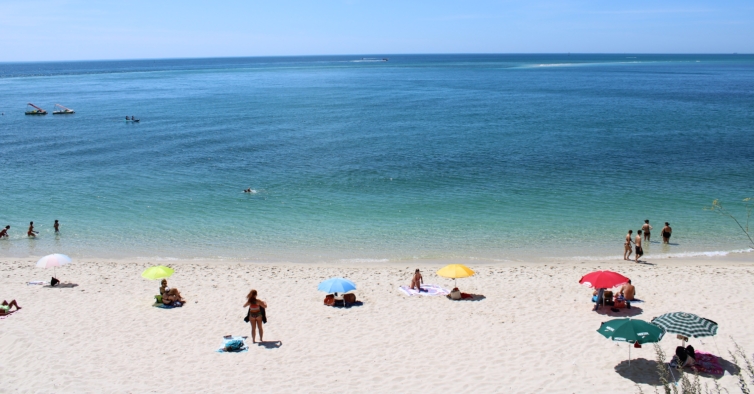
164 287
173 298
598 297
685 357
5 307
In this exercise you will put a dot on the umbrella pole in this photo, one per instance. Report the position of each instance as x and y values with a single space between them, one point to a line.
629 354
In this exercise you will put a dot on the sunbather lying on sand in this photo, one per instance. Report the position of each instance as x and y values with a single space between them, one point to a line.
5 307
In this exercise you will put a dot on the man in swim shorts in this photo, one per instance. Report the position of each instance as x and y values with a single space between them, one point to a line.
646 228
56 226
666 232
31 233
637 242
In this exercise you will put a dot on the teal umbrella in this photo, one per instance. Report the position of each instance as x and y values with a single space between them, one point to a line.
631 331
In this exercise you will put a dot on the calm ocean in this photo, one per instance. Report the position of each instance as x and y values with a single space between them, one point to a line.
500 157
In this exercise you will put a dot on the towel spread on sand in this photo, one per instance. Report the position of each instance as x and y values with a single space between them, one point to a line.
427 290
226 340
707 363
36 282
163 306
7 315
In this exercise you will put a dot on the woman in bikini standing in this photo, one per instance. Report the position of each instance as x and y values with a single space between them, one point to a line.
627 246
255 315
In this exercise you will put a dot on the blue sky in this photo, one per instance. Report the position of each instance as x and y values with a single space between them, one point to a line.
33 30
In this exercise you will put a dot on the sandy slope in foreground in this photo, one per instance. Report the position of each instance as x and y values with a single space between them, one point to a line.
534 332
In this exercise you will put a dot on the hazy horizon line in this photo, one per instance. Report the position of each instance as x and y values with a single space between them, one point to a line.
380 55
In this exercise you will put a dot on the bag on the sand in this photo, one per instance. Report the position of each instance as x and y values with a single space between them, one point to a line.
54 281
235 345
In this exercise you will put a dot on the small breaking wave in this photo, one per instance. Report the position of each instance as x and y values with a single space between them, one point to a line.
714 253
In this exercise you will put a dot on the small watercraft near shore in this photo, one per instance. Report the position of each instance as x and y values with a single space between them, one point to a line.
132 120
61 110
32 109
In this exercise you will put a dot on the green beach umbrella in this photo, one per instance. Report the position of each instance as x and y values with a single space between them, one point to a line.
687 324
631 331
157 272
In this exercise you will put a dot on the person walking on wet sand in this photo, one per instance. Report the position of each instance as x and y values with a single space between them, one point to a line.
646 228
637 242
31 233
666 232
56 226
627 246
4 232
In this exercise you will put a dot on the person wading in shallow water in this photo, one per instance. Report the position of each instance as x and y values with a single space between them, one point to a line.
627 246
666 232
637 242
31 233
56 226
646 228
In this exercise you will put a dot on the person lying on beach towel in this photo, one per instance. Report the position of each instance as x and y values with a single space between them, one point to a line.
5 307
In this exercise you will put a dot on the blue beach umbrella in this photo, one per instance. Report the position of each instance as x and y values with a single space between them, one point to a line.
336 285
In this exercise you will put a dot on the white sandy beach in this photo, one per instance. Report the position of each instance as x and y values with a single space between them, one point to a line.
534 332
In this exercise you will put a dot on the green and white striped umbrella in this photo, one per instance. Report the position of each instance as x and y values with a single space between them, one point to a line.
686 324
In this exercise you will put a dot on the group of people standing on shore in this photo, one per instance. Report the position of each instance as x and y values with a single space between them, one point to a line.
646 229
31 233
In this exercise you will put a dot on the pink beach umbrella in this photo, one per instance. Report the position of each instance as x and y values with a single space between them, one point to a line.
53 260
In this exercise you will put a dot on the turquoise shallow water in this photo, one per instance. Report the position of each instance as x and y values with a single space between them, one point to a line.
502 157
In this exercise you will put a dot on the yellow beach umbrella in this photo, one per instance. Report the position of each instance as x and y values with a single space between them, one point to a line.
455 271
157 272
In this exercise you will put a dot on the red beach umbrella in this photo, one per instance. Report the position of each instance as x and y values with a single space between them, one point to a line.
603 279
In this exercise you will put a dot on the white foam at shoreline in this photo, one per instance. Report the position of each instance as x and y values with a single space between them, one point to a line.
714 253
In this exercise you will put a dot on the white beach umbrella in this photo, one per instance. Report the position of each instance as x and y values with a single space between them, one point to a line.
53 260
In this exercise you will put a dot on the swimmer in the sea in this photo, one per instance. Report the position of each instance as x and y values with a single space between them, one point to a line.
31 233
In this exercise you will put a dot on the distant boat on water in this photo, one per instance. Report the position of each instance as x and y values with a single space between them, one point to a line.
61 110
32 109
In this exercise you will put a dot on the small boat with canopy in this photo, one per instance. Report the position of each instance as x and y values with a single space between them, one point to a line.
32 109
61 110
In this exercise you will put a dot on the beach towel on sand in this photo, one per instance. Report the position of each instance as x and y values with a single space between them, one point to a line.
707 363
7 315
163 306
234 342
427 290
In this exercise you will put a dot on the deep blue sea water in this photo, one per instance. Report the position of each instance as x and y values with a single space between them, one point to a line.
500 157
